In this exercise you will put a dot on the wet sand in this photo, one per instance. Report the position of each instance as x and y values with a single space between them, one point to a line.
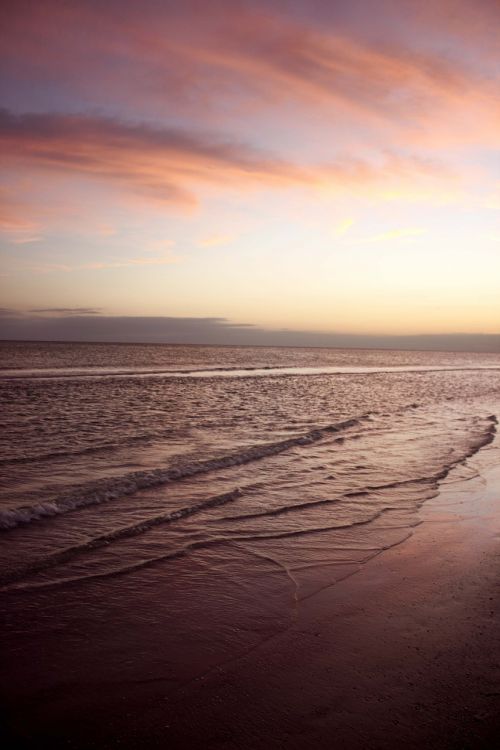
404 653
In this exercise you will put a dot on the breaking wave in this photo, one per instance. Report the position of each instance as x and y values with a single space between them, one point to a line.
429 487
110 489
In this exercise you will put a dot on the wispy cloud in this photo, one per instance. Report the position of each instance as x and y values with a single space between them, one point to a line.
170 165
128 262
396 234
161 163
106 230
216 240
44 265
198 58
68 310
8 312
343 227
14 221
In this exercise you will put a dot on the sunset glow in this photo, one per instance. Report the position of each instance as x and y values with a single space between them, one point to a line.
312 166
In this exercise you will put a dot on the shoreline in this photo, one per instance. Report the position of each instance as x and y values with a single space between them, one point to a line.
405 651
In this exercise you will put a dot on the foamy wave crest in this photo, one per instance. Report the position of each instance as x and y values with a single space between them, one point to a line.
66 554
424 487
111 489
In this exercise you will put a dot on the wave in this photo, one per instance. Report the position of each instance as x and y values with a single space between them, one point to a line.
183 551
366 492
432 482
263 370
68 372
104 490
67 553
124 532
90 449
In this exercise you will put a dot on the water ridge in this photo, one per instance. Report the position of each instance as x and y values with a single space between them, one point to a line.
110 489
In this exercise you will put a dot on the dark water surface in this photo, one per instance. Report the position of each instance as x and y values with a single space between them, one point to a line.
164 508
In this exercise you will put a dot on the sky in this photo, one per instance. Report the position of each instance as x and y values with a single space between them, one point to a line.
307 168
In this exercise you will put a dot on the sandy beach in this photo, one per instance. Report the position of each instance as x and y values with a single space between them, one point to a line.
404 652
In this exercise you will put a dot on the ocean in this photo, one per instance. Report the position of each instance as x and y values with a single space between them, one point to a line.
195 496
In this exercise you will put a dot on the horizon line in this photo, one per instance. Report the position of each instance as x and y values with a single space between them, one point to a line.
353 346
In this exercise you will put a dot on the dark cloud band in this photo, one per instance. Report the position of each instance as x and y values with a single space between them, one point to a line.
144 329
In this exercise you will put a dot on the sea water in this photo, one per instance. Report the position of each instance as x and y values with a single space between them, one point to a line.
115 458
165 510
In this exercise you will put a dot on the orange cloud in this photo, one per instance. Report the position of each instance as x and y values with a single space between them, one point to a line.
159 162
170 166
14 222
216 240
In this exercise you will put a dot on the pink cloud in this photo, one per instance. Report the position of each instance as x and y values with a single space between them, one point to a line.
214 58
170 166
15 221
207 63
161 163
